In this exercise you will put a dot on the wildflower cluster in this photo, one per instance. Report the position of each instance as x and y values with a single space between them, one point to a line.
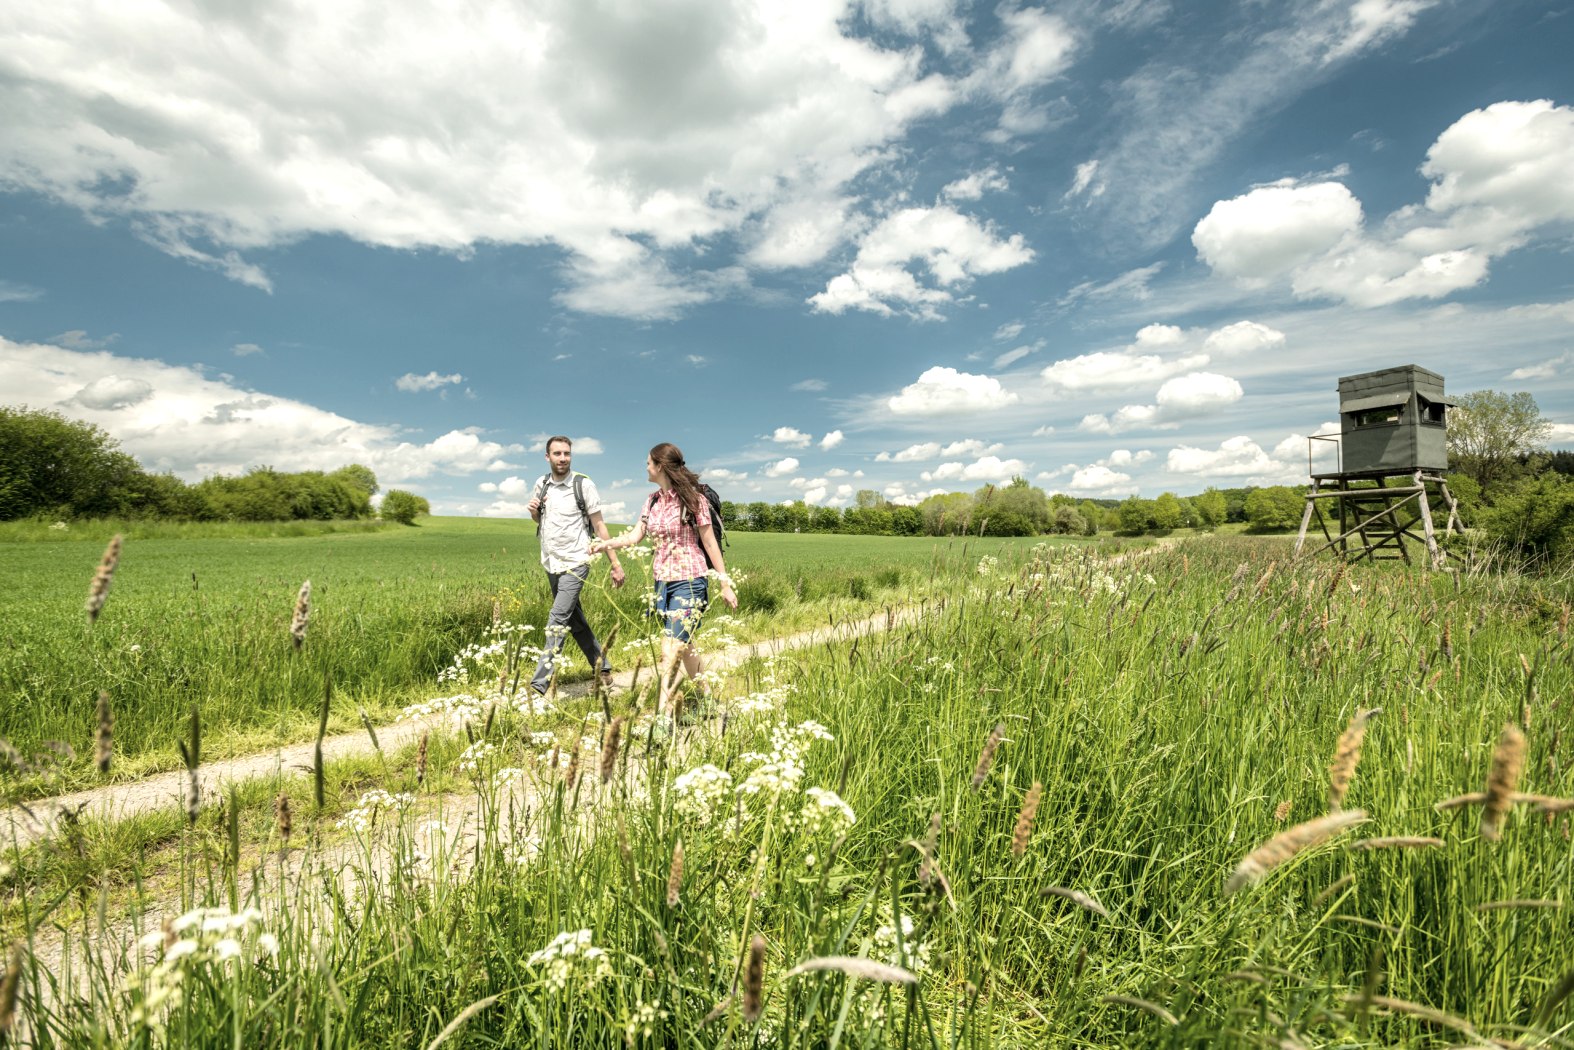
571 957
641 1023
200 937
702 794
780 770
476 755
485 660
738 578
824 811
908 954
508 776
768 699
373 802
460 709
986 565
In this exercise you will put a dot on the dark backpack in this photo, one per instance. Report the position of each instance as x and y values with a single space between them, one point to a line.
579 498
717 528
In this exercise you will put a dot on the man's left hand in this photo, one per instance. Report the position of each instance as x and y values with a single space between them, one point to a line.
617 576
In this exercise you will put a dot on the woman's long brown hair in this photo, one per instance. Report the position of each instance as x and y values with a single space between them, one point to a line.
684 481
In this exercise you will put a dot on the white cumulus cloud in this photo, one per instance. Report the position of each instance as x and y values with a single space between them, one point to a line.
911 454
985 468
625 138
791 437
781 467
414 384
175 418
1100 481
1183 397
948 248
112 392
1243 337
1498 179
831 440
942 389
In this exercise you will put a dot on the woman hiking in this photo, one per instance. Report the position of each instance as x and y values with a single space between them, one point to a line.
677 518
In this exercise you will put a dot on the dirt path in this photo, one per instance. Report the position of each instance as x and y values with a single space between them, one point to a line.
74 959
26 824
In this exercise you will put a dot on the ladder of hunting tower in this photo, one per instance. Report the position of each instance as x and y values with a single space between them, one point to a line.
1367 511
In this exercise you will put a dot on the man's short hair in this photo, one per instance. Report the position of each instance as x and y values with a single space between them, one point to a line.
556 438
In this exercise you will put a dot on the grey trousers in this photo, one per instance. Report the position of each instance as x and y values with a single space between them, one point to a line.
566 618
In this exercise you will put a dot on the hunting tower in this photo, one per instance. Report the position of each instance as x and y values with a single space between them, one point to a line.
1393 451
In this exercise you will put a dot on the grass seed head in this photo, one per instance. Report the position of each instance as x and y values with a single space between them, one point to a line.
106 733
571 777
303 608
754 981
1508 761
1024 829
609 749
193 795
420 758
99 591
675 875
1347 755
1077 897
986 758
1399 842
281 817
1281 812
1287 844
10 985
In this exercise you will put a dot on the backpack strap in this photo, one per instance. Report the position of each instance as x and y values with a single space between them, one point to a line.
579 498
541 494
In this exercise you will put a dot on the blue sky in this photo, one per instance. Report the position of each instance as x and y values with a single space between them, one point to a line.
902 245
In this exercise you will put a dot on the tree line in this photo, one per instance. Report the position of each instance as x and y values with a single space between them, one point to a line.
1022 509
1507 483
51 466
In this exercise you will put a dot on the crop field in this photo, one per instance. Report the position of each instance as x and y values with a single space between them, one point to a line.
1178 796
199 615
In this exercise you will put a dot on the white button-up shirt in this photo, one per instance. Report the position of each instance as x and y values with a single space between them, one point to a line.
565 536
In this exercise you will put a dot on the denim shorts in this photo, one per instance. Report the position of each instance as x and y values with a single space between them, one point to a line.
680 603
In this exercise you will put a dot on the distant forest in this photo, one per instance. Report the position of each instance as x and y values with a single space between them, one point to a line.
51 466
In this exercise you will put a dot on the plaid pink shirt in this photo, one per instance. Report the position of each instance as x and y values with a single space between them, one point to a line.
677 546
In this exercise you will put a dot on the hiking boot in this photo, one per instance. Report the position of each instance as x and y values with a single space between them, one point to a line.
607 679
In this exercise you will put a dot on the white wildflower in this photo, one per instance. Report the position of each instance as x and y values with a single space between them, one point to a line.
476 755
364 815
571 957
702 794
824 810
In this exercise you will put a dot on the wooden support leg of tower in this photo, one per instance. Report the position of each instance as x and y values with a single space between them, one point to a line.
1426 524
1344 543
1453 509
1306 515
1366 541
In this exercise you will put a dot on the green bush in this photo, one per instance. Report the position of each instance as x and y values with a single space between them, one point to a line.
1536 517
401 506
1275 507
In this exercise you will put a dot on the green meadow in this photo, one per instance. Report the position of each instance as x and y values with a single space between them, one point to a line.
198 615
1189 796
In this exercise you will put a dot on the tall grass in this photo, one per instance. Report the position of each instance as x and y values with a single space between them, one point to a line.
1158 710
201 614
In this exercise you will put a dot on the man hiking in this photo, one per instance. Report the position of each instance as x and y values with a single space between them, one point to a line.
566 507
